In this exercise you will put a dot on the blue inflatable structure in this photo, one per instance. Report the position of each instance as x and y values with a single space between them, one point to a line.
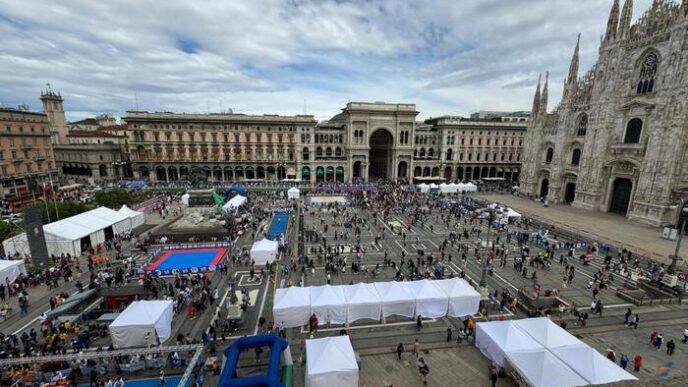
228 378
235 189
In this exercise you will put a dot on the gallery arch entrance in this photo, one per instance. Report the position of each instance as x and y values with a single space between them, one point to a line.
621 196
544 188
380 155
570 193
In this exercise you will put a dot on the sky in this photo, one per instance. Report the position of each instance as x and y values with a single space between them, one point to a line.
293 56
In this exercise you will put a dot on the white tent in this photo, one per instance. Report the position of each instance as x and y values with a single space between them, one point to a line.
292 306
330 362
510 213
468 187
397 299
141 317
363 301
431 301
329 304
494 338
547 333
540 368
137 218
434 186
464 300
234 203
10 270
264 251
591 365
68 235
293 193
448 188
185 199
424 188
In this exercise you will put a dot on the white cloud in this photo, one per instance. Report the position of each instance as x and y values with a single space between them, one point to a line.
268 56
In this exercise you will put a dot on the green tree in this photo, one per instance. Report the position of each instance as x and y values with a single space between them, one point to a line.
113 198
51 210
5 230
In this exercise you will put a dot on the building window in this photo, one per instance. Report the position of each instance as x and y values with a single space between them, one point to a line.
633 131
575 157
582 126
2 155
550 155
648 69
449 154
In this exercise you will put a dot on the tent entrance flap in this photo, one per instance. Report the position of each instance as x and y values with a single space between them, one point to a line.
85 243
109 233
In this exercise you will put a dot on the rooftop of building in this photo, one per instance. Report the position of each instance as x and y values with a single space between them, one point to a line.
133 115
10 113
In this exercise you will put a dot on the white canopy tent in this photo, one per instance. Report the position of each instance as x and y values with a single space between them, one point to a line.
264 251
547 333
510 213
140 317
448 188
234 203
424 188
10 270
329 304
293 193
467 187
464 300
434 187
137 218
540 368
495 338
396 298
330 362
431 301
185 199
591 365
292 306
363 301
68 235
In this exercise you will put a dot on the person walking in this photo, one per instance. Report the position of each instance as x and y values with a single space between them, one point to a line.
416 348
685 336
623 361
449 333
670 347
627 316
637 363
659 340
423 369
400 350
493 375
419 323
634 322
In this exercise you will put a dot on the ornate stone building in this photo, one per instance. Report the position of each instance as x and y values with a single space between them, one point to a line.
618 140
364 141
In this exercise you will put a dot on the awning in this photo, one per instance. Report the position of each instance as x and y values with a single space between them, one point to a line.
228 168
239 168
330 170
306 172
340 170
320 171
249 168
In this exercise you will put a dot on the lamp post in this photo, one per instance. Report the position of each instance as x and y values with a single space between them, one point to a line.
682 217
484 263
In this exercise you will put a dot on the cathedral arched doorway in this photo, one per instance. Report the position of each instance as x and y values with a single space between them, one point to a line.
570 194
544 188
401 169
621 196
380 154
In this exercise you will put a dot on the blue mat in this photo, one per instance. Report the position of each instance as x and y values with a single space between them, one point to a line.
279 225
171 381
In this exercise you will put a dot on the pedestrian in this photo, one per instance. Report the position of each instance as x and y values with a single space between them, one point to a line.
670 347
627 316
259 351
685 336
419 322
634 321
493 375
416 347
659 340
400 350
611 355
637 363
623 361
423 369
449 333
599 307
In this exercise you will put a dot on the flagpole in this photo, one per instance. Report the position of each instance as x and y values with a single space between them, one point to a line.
52 193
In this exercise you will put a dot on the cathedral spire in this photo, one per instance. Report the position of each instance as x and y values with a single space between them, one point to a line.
543 99
625 22
536 99
573 68
612 23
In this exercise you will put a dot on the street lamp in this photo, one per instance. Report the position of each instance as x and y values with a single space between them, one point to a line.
681 223
484 263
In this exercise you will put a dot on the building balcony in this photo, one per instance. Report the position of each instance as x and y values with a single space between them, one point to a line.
572 168
627 150
39 157
334 158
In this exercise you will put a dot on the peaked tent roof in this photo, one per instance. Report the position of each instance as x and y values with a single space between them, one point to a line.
142 313
541 368
361 293
393 291
293 189
293 296
425 290
591 365
128 211
508 336
327 295
265 245
330 354
547 333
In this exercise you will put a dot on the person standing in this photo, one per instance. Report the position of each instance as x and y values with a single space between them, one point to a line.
449 333
493 375
659 340
419 322
670 347
634 322
623 361
423 369
416 348
627 316
400 350
637 363
685 336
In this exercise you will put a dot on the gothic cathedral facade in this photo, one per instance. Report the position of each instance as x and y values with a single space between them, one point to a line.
618 140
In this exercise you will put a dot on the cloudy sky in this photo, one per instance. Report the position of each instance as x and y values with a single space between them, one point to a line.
281 56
